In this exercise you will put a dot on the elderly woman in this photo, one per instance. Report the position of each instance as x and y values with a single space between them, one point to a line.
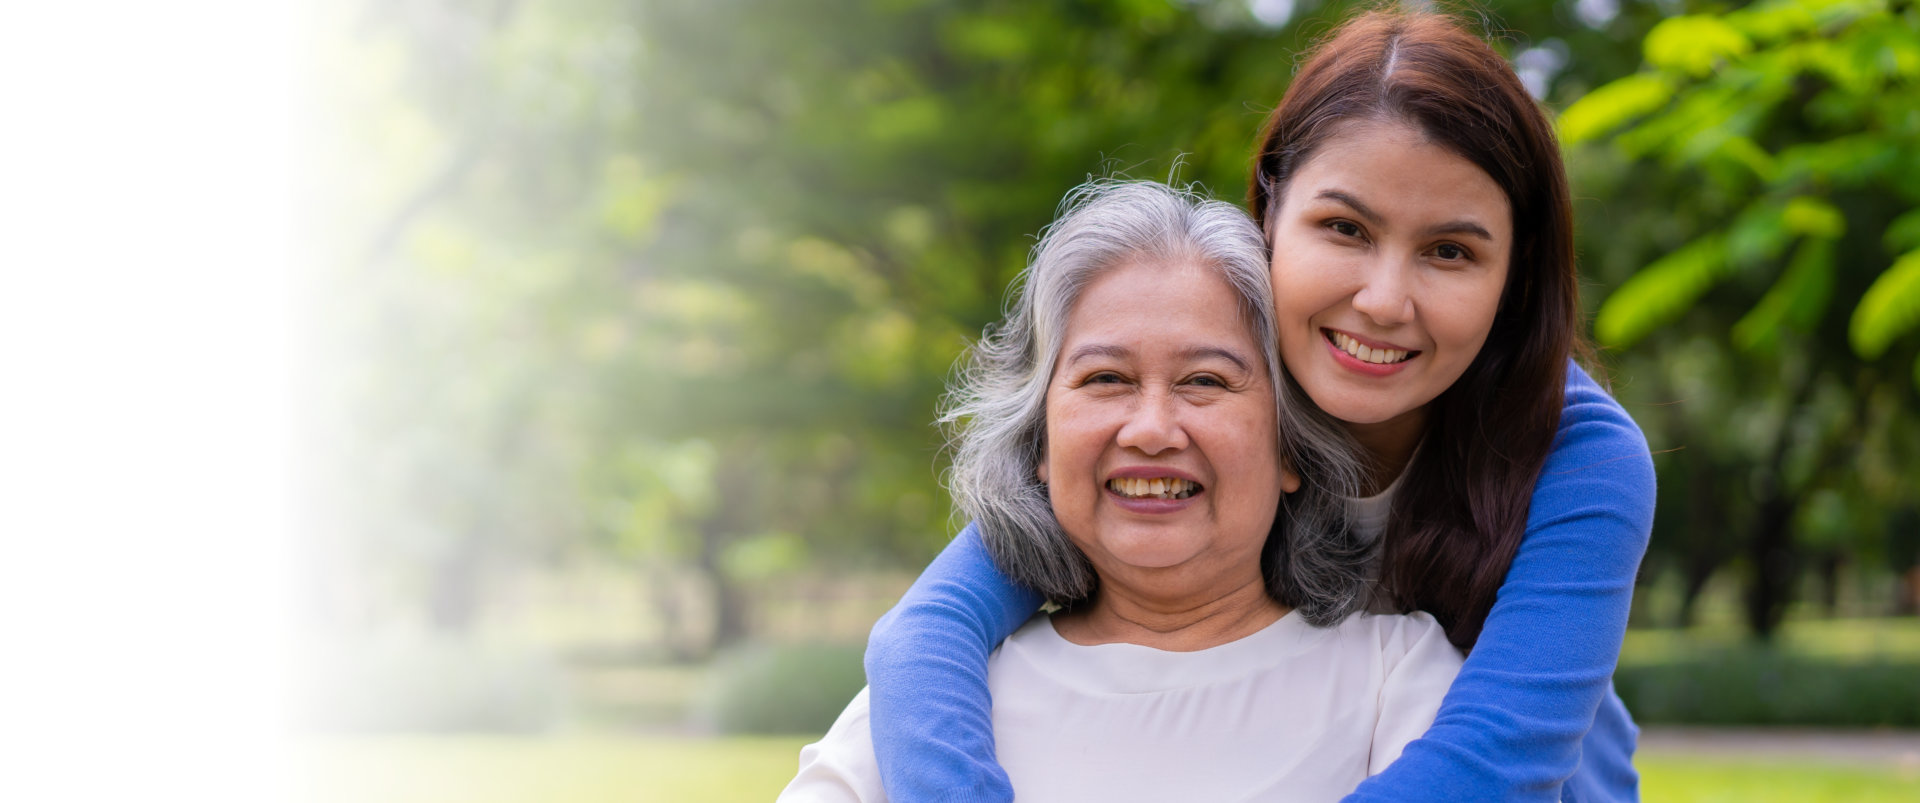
1122 444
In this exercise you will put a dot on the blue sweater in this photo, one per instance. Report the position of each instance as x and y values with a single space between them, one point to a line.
1532 715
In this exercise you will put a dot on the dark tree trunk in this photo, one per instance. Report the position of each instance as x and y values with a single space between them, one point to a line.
1699 569
1774 567
1709 525
670 610
729 604
1830 563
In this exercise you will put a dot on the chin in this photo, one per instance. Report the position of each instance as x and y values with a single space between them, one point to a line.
1357 408
1159 555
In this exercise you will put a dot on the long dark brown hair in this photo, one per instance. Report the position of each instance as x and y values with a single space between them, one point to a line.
1461 507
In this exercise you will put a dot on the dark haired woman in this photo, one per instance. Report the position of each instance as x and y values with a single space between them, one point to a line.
1426 297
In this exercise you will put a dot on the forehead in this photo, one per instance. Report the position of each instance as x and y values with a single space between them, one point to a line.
1397 170
1157 299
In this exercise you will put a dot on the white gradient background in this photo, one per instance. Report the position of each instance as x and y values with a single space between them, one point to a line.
148 365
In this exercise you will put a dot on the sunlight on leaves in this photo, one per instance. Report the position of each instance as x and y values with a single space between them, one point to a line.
1796 301
1695 44
1613 105
1661 291
1889 308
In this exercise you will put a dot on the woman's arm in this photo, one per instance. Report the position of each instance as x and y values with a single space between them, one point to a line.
927 675
1511 725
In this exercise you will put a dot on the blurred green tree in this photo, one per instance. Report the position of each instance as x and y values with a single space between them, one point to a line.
1768 155
676 285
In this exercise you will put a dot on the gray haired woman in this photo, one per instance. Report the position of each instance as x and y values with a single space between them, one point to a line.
1130 447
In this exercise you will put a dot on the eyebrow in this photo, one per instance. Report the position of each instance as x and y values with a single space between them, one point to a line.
1189 354
1450 227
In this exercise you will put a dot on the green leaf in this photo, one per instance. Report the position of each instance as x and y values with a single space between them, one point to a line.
1697 125
1889 308
1795 301
1903 234
1758 234
1612 105
1848 160
1745 152
1660 292
1813 217
1771 21
1694 44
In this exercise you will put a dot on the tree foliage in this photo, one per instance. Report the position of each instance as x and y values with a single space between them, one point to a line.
1767 157
677 285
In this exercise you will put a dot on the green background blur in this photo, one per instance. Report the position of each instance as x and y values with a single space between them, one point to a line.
633 317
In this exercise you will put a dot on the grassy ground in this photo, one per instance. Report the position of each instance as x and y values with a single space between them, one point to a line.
1716 780
1853 639
488 769
591 769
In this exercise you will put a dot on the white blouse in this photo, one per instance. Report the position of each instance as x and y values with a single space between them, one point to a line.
1290 713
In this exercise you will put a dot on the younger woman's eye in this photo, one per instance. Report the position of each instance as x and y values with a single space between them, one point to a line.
1345 228
1451 252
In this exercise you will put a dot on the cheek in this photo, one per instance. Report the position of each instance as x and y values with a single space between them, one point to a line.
1067 441
1254 439
1305 282
1471 312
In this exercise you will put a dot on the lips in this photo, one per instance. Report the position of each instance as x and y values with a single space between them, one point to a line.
1153 487
1372 354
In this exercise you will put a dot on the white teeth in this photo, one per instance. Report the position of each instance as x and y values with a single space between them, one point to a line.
1365 354
1157 487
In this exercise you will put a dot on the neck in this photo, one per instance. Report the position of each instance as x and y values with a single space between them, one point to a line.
1178 623
1389 445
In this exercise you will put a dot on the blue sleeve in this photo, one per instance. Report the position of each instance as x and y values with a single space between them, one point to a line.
1510 727
927 674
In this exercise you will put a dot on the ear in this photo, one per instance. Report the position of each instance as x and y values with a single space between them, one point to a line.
1289 479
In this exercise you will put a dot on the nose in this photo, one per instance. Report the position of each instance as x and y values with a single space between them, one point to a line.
1385 294
1154 427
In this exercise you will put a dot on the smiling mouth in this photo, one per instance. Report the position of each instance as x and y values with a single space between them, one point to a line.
1364 354
1155 488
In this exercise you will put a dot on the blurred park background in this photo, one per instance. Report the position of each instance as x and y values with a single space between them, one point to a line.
631 317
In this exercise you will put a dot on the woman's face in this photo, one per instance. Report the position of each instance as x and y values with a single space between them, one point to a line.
1389 257
1162 457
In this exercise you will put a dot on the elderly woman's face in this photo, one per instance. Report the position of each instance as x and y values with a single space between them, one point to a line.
1162 454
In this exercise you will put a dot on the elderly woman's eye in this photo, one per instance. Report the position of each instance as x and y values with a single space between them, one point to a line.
1208 380
1104 378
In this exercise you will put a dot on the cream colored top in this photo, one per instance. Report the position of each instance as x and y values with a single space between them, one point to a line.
1368 518
1290 713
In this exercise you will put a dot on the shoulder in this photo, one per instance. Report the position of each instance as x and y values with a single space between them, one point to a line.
1596 490
1593 424
841 767
1598 449
1394 635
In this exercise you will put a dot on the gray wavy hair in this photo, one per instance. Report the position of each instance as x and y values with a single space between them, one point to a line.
996 404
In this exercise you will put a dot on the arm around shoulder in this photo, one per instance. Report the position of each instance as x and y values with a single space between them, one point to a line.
1512 723
932 723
